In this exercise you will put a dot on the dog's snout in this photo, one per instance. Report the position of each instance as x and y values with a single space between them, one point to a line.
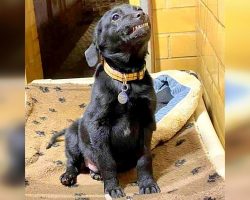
140 14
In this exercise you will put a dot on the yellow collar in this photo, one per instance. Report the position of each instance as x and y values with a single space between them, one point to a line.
122 77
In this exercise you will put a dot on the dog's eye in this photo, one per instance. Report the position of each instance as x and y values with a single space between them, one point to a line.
138 8
115 17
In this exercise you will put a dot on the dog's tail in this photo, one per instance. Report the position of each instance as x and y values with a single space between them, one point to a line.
54 137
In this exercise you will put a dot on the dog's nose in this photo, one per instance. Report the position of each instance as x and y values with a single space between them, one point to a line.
140 14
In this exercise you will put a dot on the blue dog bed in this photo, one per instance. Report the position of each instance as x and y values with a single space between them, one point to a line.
178 94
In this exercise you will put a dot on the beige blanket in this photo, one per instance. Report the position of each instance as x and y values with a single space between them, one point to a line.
181 166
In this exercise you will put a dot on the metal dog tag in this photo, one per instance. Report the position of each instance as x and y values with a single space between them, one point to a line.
122 97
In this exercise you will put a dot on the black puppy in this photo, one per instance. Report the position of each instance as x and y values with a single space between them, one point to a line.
115 133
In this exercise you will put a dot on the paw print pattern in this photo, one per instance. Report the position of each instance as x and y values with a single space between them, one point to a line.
44 89
58 89
83 105
196 170
58 162
212 178
43 118
35 122
34 100
179 163
209 198
52 110
40 133
62 99
179 142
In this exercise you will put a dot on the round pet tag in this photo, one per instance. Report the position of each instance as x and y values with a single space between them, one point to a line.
122 97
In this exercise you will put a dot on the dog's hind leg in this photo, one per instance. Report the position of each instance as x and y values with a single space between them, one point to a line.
73 154
95 175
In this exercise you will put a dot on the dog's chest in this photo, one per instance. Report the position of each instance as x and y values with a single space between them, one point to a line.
127 123
129 119
130 113
125 135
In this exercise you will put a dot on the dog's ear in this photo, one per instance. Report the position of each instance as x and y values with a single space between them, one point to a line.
92 55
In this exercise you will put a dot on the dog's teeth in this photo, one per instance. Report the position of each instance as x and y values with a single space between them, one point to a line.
139 26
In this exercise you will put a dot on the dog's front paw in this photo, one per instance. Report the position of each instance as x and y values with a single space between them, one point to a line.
68 178
116 192
148 187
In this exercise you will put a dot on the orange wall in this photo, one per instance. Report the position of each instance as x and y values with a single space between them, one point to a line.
134 2
33 64
211 50
174 34
237 17
190 34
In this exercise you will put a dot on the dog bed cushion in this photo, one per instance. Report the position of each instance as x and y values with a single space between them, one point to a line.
178 94
181 165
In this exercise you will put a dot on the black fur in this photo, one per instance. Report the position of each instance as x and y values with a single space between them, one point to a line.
111 135
54 137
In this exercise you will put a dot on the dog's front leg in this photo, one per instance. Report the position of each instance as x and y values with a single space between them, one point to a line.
145 180
106 165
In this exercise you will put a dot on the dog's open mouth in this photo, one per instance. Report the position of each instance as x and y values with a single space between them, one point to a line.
138 29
